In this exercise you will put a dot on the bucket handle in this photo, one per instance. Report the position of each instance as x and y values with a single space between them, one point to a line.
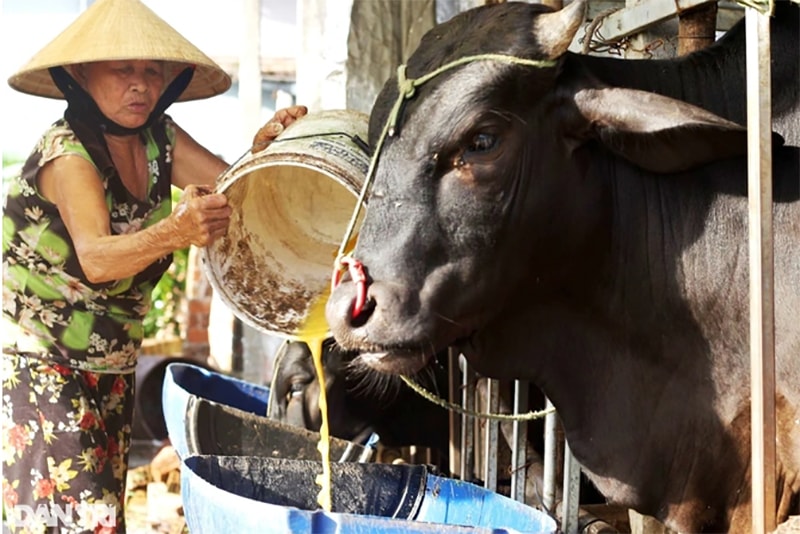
219 180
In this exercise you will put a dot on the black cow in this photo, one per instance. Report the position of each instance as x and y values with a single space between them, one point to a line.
558 224
360 400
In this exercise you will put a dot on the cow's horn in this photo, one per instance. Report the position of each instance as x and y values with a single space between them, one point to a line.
555 31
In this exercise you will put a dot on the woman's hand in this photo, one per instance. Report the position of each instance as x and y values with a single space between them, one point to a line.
282 118
200 216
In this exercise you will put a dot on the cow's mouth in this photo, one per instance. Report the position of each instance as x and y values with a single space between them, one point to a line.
396 361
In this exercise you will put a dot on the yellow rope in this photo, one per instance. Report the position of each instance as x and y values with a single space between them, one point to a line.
530 416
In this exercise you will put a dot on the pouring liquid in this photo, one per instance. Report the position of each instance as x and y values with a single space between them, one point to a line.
313 333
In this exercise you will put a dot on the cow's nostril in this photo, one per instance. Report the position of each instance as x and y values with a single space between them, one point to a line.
363 315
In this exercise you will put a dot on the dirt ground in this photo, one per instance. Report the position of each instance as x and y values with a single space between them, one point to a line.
153 501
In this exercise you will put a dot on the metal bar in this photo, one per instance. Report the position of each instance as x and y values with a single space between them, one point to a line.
467 423
454 421
762 327
550 454
519 441
638 17
491 434
572 491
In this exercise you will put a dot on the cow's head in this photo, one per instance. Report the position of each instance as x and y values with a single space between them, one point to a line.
294 391
479 191
360 400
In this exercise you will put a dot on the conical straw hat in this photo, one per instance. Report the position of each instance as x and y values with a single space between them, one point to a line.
118 30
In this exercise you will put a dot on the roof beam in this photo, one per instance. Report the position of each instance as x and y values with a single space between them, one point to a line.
637 18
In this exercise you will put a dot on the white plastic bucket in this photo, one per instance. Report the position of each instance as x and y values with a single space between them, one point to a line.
292 203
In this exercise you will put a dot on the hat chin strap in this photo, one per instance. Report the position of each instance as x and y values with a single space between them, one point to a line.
82 106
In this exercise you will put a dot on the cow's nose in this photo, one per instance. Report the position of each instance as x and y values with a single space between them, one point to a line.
348 307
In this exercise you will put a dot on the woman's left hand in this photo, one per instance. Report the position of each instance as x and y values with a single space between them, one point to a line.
282 118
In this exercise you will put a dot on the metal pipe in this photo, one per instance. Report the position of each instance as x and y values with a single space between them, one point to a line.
762 325
467 423
454 421
519 440
550 454
491 434
572 492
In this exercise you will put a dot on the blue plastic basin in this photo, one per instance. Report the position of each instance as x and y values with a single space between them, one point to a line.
185 383
258 494
214 414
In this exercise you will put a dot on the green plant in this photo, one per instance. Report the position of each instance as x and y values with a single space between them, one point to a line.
12 165
163 320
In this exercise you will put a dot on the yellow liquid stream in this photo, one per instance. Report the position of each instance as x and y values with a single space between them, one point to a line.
313 333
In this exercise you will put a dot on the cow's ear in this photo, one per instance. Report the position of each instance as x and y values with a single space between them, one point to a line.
655 132
554 31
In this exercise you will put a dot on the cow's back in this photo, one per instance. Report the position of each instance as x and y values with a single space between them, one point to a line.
715 78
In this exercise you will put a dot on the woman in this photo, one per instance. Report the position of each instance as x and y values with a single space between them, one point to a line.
88 230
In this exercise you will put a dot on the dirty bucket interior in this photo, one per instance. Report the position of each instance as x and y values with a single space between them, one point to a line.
367 488
292 204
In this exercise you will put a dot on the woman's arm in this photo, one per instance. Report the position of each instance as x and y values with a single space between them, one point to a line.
198 219
73 185
194 164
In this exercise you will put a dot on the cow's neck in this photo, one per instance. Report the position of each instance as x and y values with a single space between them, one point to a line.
634 337
614 401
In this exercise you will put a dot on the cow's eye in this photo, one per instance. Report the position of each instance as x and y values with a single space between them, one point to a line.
296 389
482 142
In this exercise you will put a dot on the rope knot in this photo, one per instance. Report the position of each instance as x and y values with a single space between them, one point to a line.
406 86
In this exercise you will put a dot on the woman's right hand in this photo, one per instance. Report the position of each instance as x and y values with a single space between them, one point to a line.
279 122
200 216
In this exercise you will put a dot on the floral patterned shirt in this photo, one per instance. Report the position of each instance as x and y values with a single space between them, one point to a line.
50 310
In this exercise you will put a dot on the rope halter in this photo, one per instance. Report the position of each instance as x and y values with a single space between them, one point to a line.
406 88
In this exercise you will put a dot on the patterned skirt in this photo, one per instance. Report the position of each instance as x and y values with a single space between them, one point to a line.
65 439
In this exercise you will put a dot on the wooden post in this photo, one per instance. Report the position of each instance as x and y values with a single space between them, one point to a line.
697 28
250 68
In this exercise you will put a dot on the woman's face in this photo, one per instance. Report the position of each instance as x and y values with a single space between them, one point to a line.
126 91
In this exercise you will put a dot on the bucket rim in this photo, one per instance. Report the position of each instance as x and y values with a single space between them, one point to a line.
249 166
